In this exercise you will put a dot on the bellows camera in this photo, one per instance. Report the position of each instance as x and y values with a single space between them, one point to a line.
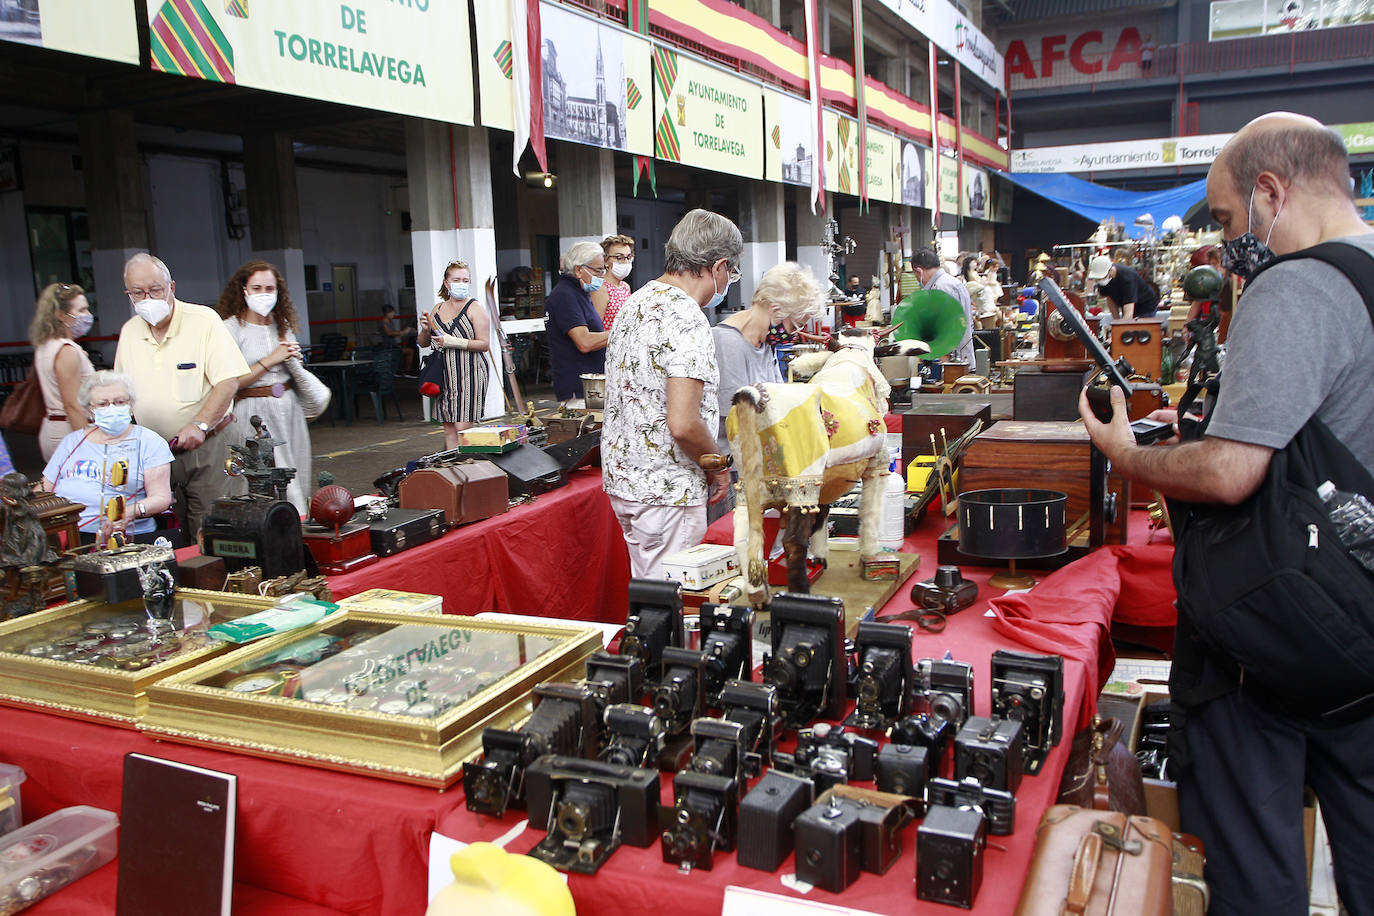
949 855
947 686
614 678
885 678
727 639
589 809
754 707
654 622
1029 688
680 695
566 721
636 736
703 819
808 665
990 751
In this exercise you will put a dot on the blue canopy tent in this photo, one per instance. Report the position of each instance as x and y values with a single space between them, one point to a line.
1097 202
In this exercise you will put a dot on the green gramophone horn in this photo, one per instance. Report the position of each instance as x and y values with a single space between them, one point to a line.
931 316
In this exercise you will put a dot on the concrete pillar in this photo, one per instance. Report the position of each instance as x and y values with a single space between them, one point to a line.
811 238
451 219
274 213
763 223
118 207
586 194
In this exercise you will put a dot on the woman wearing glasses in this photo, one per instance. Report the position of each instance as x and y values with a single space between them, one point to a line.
61 315
620 258
459 328
576 336
121 473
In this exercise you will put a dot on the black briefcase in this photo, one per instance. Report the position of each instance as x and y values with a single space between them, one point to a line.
401 529
531 471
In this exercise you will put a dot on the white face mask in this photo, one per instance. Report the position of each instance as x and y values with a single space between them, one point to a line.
458 290
153 311
622 269
261 303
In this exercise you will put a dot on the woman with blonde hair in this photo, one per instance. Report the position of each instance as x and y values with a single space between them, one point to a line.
461 331
61 315
620 258
258 314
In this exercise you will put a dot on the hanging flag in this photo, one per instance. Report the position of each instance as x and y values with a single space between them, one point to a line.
959 135
238 8
527 84
632 95
505 59
935 130
185 39
639 22
645 164
813 69
860 103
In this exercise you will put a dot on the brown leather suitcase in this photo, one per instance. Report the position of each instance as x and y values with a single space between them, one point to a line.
486 491
1102 772
1191 894
434 488
1092 863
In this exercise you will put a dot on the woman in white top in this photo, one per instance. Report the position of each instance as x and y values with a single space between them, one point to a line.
259 316
61 315
984 302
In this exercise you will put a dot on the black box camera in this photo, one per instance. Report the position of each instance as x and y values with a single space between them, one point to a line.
990 751
755 708
947 686
885 678
566 721
704 818
1030 689
829 845
949 855
589 809
901 769
997 805
766 818
727 638
636 736
654 623
808 665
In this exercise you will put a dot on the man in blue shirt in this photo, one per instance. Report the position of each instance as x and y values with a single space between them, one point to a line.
577 341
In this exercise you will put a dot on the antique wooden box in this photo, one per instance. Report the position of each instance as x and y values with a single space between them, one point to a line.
398 696
1050 455
467 492
94 660
929 414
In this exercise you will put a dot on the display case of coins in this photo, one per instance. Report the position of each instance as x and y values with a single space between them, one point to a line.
397 696
90 659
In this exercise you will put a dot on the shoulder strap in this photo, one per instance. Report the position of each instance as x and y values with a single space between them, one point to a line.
1356 264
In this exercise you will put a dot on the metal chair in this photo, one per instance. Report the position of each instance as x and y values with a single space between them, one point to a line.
381 384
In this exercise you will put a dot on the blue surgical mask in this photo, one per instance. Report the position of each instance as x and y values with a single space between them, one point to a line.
719 295
1245 254
113 418
81 324
594 285
458 291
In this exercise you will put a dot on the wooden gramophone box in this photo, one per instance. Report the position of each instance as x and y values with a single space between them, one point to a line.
1049 455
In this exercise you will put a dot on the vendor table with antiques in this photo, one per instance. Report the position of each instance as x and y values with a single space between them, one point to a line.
311 840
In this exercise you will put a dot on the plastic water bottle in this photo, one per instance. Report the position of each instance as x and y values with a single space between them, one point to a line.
1353 516
892 527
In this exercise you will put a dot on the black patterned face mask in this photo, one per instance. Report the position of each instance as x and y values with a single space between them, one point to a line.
1245 254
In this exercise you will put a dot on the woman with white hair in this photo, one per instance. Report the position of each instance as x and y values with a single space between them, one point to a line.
112 460
786 298
573 329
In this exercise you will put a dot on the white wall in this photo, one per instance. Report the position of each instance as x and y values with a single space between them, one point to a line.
188 230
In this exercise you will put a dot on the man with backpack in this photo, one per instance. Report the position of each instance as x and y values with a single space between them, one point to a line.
1272 680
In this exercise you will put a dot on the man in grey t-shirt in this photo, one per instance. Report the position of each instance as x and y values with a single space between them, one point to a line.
926 263
1282 181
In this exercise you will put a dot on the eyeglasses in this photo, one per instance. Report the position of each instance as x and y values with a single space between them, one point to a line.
620 257
113 402
152 292
595 271
734 276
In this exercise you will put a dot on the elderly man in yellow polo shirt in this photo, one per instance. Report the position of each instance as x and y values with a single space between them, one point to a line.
188 367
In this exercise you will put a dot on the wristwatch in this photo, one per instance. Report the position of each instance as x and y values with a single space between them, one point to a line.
202 426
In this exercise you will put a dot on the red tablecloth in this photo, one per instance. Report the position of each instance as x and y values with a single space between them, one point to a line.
562 555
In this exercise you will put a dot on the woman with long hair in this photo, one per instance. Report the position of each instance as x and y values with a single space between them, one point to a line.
459 328
61 315
258 314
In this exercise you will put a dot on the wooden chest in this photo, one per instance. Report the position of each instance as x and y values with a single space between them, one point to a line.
1050 456
929 414
467 492
1040 395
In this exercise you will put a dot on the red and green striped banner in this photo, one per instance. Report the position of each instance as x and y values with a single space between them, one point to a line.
632 96
665 70
236 8
639 16
777 137
505 59
842 161
186 40
666 142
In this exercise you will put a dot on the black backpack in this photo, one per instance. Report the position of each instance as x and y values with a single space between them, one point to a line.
1268 585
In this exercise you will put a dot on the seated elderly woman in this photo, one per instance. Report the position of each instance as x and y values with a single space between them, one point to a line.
112 460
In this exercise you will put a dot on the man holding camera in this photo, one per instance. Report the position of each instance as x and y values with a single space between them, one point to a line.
1281 185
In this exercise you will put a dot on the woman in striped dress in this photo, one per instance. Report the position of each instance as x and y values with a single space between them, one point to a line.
458 328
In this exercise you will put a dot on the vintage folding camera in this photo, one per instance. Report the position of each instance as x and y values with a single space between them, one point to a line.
589 809
1030 688
566 720
718 749
990 751
947 686
808 665
949 855
884 679
927 731
832 756
948 591
727 638
704 818
755 708
901 769
766 819
997 805
635 736
679 696
653 624
615 678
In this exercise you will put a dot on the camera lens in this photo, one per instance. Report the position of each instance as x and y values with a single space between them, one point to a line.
945 706
780 673
572 820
